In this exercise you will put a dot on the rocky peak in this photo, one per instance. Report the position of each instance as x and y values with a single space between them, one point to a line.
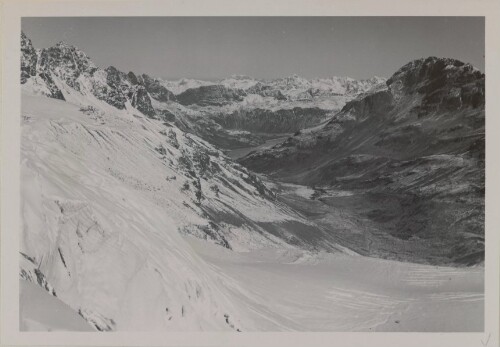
441 82
28 58
156 89
114 77
132 78
66 55
67 62
139 98
128 87
73 67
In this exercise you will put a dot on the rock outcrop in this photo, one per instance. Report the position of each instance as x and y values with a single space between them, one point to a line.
66 65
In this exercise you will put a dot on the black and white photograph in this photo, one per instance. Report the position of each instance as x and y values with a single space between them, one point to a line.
251 174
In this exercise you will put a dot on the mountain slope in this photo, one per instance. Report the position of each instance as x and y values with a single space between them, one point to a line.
409 157
110 190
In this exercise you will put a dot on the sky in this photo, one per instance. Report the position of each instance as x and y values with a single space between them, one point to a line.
263 47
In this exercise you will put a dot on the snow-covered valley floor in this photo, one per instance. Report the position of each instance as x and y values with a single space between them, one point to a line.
299 291
104 203
293 290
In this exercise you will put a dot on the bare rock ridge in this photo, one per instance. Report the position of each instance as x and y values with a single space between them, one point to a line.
412 157
28 58
75 69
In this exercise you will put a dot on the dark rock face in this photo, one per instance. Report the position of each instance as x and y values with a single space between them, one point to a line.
213 95
166 115
412 158
74 68
28 59
115 77
132 78
139 98
136 89
55 92
113 93
444 84
156 90
67 62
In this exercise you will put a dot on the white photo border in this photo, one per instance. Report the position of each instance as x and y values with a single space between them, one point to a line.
14 10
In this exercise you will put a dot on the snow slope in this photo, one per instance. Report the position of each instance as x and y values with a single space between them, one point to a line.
101 220
294 290
39 311
106 198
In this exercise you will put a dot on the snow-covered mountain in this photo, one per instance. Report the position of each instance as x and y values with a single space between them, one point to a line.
408 158
183 84
72 67
276 93
292 87
134 219
239 82
241 111
298 88
109 189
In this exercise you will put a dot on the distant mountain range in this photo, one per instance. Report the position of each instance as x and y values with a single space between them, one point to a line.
291 88
216 108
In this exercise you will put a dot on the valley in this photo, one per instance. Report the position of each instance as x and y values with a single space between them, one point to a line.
411 154
297 291
243 205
